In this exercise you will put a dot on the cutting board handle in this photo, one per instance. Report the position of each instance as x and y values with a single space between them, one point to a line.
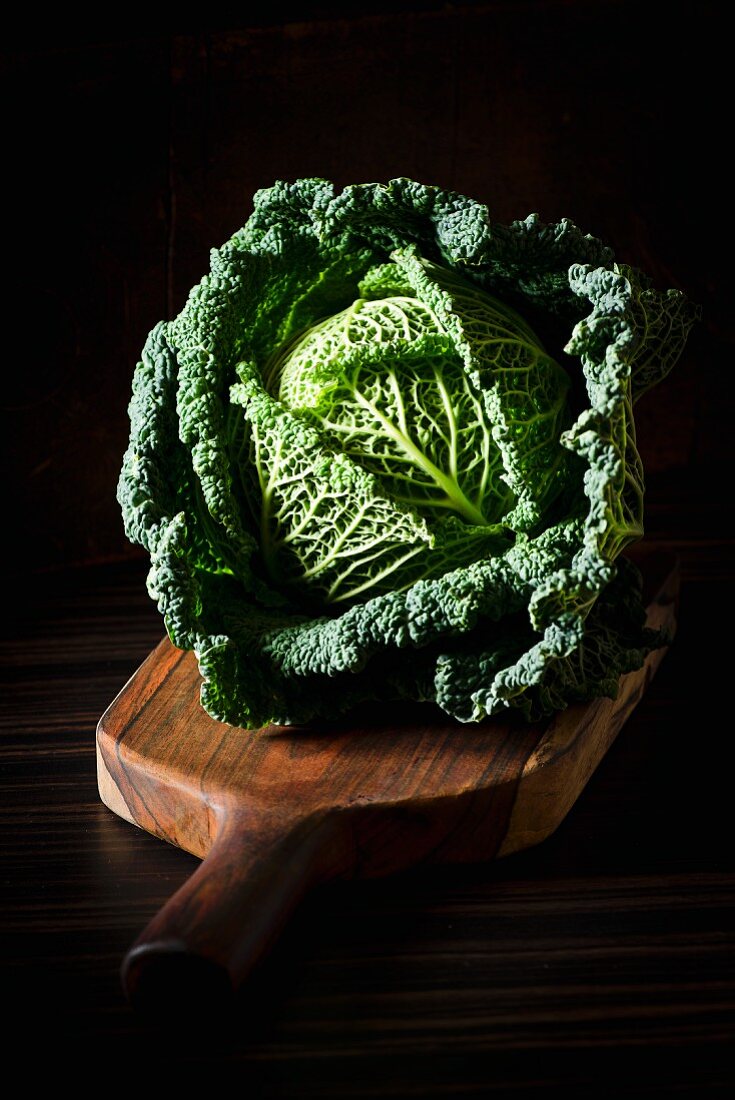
213 931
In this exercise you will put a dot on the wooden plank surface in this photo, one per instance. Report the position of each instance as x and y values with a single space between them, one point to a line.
606 953
277 811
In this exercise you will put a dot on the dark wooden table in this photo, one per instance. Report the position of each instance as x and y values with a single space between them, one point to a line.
601 960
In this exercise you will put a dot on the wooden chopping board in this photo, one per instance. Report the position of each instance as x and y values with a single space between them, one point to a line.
276 811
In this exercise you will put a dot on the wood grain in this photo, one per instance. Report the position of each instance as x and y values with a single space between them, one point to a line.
276 811
607 953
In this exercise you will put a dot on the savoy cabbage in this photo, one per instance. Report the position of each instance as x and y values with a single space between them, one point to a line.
387 450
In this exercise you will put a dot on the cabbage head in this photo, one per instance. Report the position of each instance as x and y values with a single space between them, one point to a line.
387 450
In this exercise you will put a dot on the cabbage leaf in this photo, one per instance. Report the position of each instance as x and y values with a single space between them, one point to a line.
387 450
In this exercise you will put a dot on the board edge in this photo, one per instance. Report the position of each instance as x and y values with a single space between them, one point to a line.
542 781
109 791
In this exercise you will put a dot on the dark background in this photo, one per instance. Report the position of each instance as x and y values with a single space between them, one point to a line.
134 151
603 960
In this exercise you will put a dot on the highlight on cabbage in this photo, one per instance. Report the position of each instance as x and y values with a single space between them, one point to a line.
387 450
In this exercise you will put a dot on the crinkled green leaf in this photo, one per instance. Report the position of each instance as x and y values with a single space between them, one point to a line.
484 573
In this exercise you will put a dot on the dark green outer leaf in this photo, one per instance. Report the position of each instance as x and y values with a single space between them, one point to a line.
533 628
